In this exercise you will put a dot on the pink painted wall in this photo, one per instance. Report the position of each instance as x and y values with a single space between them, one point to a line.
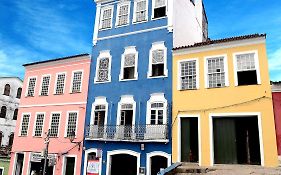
53 103
276 98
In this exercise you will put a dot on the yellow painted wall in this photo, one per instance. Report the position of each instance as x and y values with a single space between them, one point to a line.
200 102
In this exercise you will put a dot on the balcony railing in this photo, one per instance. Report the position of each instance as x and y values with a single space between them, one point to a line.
133 133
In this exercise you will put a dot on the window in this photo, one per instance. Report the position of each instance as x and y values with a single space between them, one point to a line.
156 116
11 139
45 85
247 69
60 83
126 111
7 90
24 124
140 8
19 92
31 87
129 64
99 116
188 71
216 72
157 109
39 125
159 8
123 14
3 112
54 129
158 60
15 116
106 17
76 82
103 68
71 125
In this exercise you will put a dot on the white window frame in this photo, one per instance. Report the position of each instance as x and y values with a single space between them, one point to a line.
34 125
66 123
72 76
50 123
179 86
129 50
126 99
101 16
257 65
156 153
157 46
19 134
27 86
103 54
55 87
156 98
64 162
99 101
225 62
118 13
153 7
87 152
135 12
40 91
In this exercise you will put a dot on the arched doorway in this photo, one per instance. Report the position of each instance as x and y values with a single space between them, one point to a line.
156 161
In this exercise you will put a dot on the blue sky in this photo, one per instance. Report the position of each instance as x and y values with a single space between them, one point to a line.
33 30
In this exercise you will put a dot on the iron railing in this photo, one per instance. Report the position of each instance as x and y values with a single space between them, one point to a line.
127 132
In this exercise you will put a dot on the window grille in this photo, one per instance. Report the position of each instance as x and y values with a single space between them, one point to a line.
246 62
157 111
55 125
157 62
106 18
31 86
45 85
103 70
71 126
76 82
160 3
60 83
127 106
141 11
24 124
188 74
129 66
39 125
216 72
123 14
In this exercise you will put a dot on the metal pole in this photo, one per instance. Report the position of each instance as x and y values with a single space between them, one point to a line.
46 152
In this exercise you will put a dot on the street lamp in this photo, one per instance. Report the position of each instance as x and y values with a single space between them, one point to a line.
72 137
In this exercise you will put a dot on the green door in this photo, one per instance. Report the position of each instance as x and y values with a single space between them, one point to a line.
70 163
225 149
185 139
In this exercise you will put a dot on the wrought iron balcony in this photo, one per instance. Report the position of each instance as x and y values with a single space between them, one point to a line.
134 133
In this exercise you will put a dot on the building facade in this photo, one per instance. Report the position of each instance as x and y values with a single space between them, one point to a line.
128 120
222 104
53 103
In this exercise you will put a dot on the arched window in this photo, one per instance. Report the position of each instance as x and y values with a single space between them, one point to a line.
11 139
7 90
19 92
3 112
15 114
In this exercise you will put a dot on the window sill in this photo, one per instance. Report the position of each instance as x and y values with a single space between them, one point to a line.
28 96
105 29
140 22
59 94
37 137
188 89
101 82
43 95
154 19
247 85
162 76
75 92
123 25
124 80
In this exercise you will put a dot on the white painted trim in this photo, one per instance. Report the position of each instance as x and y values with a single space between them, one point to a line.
122 3
54 104
129 50
121 151
97 24
180 116
238 114
50 122
87 152
135 10
56 81
126 99
257 67
28 163
27 86
34 124
156 98
15 161
3 170
66 123
64 162
156 153
99 101
28 113
40 90
103 54
72 76
153 8
101 16
170 7
179 88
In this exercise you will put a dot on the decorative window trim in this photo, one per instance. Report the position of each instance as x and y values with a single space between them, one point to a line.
50 123
27 85
257 65
157 46
55 87
156 153
135 12
72 76
126 99
101 17
99 101
40 91
34 125
103 54
179 87
156 97
225 62
66 123
118 11
153 7
129 50
19 134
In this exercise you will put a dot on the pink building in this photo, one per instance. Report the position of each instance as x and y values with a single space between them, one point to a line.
53 99
276 98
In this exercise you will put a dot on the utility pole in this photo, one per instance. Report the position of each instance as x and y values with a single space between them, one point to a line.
47 141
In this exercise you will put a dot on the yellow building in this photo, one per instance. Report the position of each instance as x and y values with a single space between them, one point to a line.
222 107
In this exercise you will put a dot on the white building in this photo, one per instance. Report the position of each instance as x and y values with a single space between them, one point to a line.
10 93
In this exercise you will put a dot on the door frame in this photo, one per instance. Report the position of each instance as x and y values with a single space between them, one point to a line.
238 114
180 116
156 153
15 161
87 152
64 162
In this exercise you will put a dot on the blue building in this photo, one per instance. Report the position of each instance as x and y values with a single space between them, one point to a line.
128 120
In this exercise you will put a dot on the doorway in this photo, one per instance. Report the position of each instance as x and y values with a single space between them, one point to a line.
69 165
123 164
37 168
158 163
126 122
19 163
